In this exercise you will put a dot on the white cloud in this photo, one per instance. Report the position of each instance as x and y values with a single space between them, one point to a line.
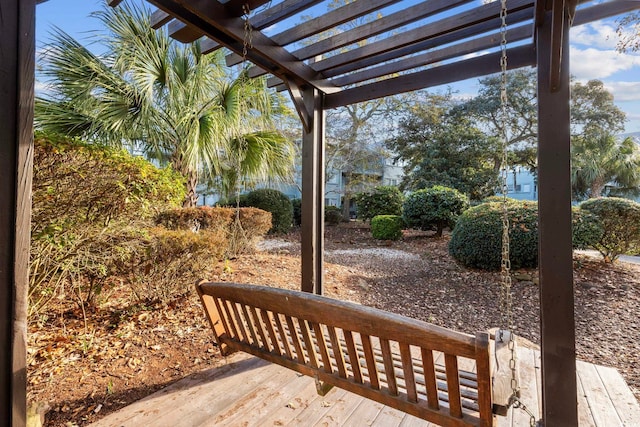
592 63
624 91
596 35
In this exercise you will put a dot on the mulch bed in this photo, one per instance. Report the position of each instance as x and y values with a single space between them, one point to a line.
84 365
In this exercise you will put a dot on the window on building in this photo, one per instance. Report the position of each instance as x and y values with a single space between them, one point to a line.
526 188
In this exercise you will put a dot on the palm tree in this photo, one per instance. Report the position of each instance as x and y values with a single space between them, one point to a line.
180 105
599 159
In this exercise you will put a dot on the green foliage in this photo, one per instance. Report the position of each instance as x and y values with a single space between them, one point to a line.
387 227
434 208
476 240
593 110
620 220
275 202
586 229
441 146
498 199
182 105
383 200
332 215
297 211
76 183
599 159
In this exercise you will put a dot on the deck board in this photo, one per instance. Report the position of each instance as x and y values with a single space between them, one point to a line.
250 392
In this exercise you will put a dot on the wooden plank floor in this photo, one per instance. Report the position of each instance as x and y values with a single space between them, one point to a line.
250 392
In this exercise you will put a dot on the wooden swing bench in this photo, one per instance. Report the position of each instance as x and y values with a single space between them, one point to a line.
403 363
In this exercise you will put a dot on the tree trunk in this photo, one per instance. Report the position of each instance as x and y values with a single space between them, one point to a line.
191 176
191 198
597 186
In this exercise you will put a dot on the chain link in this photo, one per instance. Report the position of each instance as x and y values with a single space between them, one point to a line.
505 270
247 43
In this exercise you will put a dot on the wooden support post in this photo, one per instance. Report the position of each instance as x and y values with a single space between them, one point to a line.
17 58
559 393
312 229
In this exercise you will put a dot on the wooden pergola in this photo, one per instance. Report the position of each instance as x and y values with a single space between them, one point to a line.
420 44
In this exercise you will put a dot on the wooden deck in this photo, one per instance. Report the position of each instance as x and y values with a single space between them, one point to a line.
251 392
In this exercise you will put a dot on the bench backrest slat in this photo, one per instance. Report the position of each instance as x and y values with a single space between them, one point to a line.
379 355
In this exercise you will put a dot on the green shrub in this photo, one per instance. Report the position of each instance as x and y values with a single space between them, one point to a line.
498 199
90 205
586 229
275 202
76 183
383 200
332 215
434 208
476 240
297 211
387 227
620 220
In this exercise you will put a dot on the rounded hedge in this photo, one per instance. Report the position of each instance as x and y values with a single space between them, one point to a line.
434 208
476 240
332 215
620 221
383 200
387 227
297 211
275 202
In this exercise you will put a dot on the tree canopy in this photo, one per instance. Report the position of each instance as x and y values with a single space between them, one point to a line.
179 104
440 146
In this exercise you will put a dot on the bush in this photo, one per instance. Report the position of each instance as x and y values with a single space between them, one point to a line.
332 215
586 229
275 202
434 208
297 211
76 183
620 221
476 240
254 224
387 227
90 204
383 200
169 262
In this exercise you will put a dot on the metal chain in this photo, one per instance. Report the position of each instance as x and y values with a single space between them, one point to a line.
505 270
248 31
518 404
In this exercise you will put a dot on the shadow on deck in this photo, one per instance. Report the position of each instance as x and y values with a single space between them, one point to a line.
248 391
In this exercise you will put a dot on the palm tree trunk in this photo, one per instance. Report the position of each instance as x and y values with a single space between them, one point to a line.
191 198
191 184
597 186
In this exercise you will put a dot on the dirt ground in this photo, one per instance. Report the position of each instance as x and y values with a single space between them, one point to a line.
84 365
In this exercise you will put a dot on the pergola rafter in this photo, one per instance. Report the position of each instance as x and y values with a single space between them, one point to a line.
409 45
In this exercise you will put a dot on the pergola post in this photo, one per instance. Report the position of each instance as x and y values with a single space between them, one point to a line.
559 392
312 229
17 58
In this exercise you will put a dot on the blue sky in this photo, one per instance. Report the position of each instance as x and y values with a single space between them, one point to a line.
593 53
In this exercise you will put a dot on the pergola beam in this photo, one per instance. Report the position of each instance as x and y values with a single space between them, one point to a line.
378 26
216 23
519 57
488 12
487 42
322 23
17 67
